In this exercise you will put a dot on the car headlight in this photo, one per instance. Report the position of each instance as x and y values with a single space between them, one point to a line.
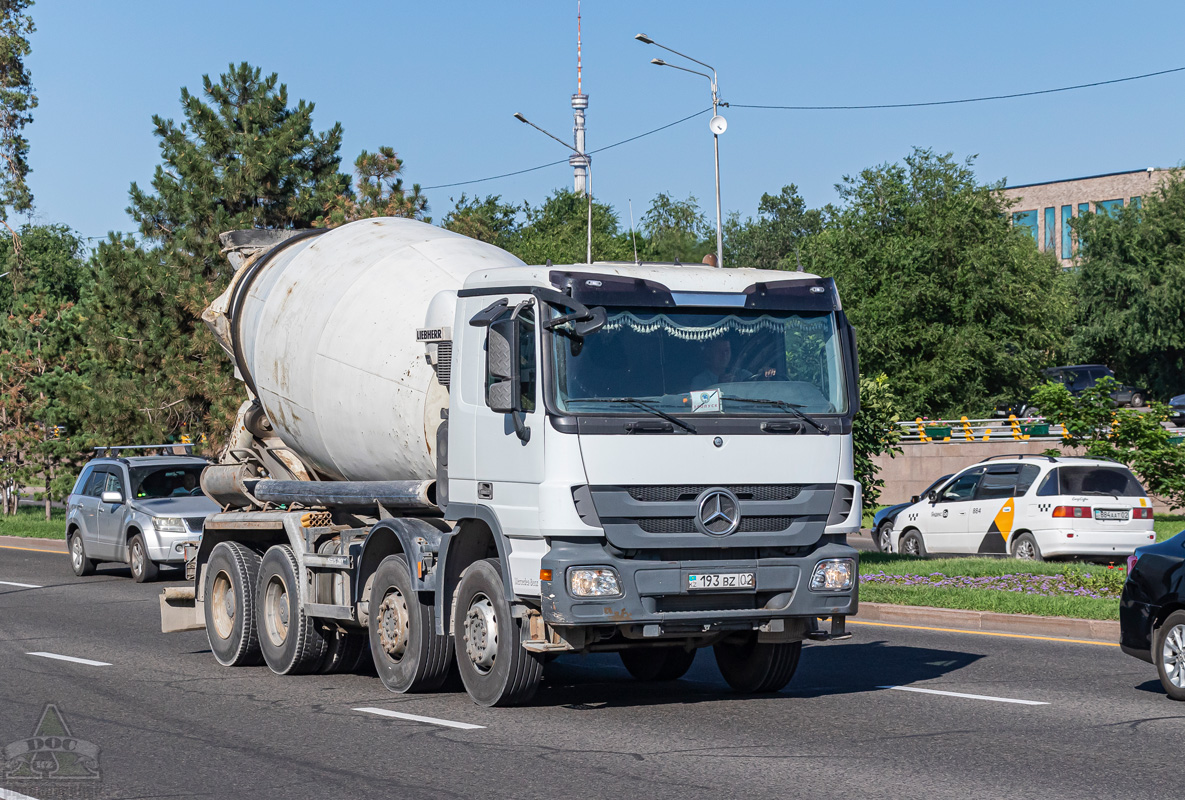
833 575
593 582
169 524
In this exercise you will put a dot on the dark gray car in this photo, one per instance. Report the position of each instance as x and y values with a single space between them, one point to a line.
137 511
1078 377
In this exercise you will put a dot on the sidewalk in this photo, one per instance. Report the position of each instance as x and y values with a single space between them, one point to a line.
30 543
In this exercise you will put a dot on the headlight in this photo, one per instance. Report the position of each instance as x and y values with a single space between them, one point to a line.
833 575
593 582
169 524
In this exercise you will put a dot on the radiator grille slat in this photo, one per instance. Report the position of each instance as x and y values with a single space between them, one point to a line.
671 494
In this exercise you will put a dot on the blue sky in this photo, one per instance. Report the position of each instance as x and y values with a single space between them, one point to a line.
439 81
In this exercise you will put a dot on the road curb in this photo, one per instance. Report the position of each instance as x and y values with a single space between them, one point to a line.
1095 630
32 543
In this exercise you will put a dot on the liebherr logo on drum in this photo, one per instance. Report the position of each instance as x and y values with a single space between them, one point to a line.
53 756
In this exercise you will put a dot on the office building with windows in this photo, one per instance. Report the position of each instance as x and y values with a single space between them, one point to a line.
1045 209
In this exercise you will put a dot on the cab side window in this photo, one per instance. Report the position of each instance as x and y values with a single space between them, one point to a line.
94 487
962 488
1048 487
526 349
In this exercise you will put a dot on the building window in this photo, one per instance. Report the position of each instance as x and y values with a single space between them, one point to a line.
1083 208
1067 211
1134 202
1109 207
1050 230
1026 220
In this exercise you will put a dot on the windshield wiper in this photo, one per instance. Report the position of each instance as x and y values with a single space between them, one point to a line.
642 404
793 408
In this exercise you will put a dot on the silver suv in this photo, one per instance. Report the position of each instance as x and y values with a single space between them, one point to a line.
135 510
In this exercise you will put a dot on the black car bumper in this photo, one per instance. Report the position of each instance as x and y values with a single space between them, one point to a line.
1136 627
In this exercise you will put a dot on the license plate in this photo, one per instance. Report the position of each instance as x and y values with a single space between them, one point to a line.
1110 514
721 580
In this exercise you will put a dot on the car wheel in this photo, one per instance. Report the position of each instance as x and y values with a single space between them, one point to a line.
1137 400
81 565
912 544
1025 548
882 538
144 569
1168 651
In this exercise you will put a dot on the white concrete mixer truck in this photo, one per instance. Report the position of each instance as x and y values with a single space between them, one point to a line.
452 460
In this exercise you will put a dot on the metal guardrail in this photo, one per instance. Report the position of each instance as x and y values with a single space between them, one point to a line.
998 429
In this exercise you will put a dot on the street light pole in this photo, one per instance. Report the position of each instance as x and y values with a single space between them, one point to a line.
717 125
587 166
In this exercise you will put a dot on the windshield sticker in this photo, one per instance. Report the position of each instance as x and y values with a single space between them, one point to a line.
706 401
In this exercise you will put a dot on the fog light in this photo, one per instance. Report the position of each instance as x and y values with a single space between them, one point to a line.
593 582
833 575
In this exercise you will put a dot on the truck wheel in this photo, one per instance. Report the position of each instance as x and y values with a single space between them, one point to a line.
657 663
81 565
343 653
753 667
144 569
912 544
1168 651
494 667
408 654
290 640
1025 548
230 577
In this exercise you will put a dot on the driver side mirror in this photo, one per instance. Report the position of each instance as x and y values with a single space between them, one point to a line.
504 392
114 498
914 499
932 496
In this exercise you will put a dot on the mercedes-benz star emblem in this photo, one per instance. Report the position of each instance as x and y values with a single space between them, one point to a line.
719 512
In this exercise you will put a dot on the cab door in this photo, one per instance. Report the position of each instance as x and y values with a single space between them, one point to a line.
110 516
945 526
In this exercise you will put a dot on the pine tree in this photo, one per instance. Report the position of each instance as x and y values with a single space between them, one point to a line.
17 102
241 158
380 192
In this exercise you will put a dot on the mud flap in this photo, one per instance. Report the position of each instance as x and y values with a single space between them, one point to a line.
179 611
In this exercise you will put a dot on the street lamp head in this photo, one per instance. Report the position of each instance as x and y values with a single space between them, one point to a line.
644 39
658 62
520 117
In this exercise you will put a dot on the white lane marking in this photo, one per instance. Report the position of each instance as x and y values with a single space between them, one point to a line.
382 712
967 696
9 794
21 585
86 661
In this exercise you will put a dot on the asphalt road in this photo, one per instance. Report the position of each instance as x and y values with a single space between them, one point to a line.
169 722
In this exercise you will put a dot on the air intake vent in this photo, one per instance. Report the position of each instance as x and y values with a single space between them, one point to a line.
670 494
687 525
444 362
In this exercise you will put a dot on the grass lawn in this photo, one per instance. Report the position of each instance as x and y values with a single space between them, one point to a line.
30 523
1167 526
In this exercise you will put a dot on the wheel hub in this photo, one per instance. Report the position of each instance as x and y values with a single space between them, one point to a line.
481 634
76 553
1174 655
393 625
222 605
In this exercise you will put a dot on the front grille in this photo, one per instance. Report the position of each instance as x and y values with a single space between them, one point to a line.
706 602
687 524
194 523
671 494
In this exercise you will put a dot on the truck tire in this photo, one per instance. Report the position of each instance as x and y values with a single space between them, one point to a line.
81 565
408 654
494 667
657 663
144 569
751 667
230 576
291 642
343 653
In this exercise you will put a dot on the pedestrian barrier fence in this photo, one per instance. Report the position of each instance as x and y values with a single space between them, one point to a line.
1011 428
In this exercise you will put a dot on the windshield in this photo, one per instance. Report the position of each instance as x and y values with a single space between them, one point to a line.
151 483
1115 481
713 361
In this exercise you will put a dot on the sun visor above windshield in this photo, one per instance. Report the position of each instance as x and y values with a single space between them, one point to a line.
597 289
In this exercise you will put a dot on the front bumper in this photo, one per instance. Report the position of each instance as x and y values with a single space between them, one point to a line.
168 548
655 600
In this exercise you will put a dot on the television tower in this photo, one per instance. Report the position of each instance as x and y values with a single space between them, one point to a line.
580 163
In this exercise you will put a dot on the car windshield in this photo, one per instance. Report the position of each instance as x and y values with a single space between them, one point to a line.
1115 481
712 361
152 483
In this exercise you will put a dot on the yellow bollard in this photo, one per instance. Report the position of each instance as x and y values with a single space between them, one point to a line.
967 434
922 430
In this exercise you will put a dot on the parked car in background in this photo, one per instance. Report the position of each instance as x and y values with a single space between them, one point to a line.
882 521
1031 507
1177 410
136 510
1080 377
1152 611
